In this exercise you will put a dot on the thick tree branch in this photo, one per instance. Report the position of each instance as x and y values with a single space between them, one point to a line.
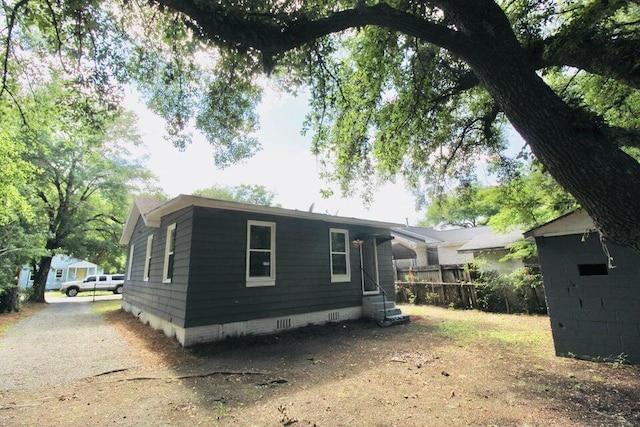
5 62
273 34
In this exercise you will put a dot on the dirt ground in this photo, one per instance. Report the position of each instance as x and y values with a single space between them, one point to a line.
453 368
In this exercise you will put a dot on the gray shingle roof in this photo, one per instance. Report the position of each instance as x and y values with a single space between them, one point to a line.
431 235
493 241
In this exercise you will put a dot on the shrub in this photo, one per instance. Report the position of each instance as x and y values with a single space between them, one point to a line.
519 292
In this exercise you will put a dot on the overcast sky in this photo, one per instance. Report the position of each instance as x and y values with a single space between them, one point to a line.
285 165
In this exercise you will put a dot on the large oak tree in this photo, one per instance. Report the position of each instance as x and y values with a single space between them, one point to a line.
416 87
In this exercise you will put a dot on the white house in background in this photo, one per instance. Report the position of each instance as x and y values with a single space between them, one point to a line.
436 247
63 269
428 247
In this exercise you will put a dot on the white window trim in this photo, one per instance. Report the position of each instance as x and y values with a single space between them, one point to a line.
59 277
253 282
167 253
337 278
131 249
147 259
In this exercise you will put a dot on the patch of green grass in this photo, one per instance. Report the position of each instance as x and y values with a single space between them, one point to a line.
467 330
458 329
5 328
103 307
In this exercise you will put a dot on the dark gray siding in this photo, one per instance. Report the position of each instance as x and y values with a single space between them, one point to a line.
165 300
592 316
217 284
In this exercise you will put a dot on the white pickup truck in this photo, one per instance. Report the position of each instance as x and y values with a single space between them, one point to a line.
99 282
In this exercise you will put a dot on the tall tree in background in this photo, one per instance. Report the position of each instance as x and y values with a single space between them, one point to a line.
254 194
413 87
468 205
527 198
83 176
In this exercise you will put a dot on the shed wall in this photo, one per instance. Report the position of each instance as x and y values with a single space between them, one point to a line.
596 315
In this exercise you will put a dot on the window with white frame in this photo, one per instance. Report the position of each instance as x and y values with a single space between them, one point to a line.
340 266
261 253
130 262
59 273
169 254
147 259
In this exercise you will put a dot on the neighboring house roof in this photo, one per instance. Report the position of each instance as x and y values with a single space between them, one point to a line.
61 261
433 236
153 216
82 264
489 242
417 234
576 222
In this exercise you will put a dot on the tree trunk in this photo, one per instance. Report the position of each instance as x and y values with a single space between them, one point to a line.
603 178
40 279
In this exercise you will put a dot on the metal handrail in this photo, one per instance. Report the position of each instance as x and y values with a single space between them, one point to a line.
384 293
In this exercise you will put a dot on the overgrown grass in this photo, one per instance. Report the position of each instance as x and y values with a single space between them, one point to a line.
103 307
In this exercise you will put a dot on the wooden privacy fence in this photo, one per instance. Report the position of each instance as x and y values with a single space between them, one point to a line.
459 295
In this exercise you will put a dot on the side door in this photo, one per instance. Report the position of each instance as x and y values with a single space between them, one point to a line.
369 259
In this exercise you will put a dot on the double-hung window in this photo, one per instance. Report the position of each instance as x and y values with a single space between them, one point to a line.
147 260
340 266
169 254
130 266
261 253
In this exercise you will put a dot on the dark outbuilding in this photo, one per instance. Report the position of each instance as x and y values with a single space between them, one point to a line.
592 289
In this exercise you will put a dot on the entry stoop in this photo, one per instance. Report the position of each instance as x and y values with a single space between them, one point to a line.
384 313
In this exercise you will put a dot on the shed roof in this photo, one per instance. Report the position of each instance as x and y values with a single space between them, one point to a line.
576 222
153 215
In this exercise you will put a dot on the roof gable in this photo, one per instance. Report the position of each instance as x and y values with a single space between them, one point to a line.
576 222
140 207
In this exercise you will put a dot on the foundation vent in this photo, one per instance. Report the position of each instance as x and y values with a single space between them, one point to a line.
334 316
283 323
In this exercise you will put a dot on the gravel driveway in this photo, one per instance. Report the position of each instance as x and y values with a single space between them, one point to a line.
63 342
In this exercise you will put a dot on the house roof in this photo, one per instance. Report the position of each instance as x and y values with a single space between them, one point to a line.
576 222
82 264
152 215
140 207
417 234
489 242
433 236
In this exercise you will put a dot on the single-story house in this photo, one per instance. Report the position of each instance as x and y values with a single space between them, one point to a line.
592 289
202 269
63 269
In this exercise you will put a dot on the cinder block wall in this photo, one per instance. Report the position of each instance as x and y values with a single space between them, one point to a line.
594 311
